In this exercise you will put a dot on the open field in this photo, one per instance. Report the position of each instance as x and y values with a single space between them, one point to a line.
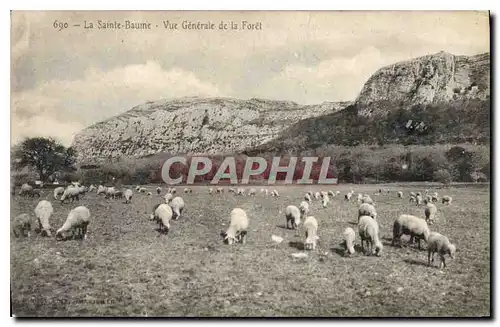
125 268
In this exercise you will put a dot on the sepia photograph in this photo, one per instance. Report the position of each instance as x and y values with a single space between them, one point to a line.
305 164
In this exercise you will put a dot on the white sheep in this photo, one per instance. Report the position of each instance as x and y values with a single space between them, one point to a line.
325 201
446 199
251 191
369 231
92 188
331 193
349 237
137 188
142 190
71 192
292 215
240 191
43 211
210 190
316 195
338 192
311 227
434 197
367 199
177 205
441 245
307 197
412 198
77 222
173 190
323 194
360 197
348 196
149 194
187 190
101 189
275 193
26 190
231 190
219 190
304 208
400 194
266 191
310 193
419 199
158 190
366 209
128 195
237 230
21 224
58 191
162 213
413 194
410 225
430 213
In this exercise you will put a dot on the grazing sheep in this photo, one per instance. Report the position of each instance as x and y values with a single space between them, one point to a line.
231 190
427 199
410 225
430 213
311 227
237 230
338 192
101 189
186 190
173 190
366 209
292 215
369 232
43 211
240 191
137 188
77 221
441 245
316 195
304 208
26 190
413 194
419 200
92 188
434 197
162 213
71 192
177 205
331 193
349 237
400 194
419 194
325 201
348 196
142 190
219 190
446 199
266 191
323 194
210 190
128 195
275 193
252 191
367 199
21 224
310 193
149 194
58 191
360 197
109 192
119 194
412 198
158 190
307 197
168 197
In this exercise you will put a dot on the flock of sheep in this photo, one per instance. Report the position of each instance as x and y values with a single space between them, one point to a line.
368 227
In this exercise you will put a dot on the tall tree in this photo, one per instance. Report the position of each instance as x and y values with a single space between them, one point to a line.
45 155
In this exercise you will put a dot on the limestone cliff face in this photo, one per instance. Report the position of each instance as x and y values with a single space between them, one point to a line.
434 78
192 125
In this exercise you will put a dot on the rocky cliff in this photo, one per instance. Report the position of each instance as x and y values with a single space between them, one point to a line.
430 79
193 125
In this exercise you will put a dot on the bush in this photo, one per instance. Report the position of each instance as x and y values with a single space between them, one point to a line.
442 176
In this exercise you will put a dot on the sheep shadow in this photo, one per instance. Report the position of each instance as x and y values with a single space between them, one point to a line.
161 231
296 245
415 262
282 226
352 222
340 249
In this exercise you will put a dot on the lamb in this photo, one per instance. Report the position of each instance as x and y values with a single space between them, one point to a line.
367 199
101 189
128 195
43 211
316 195
158 190
366 209
440 244
26 189
251 192
410 225
446 199
162 213
304 208
400 194
369 232
71 192
77 221
168 197
292 215
430 213
311 226
325 201
58 191
237 230
21 224
349 237
307 197
177 205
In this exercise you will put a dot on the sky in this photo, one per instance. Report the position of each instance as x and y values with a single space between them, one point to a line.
66 79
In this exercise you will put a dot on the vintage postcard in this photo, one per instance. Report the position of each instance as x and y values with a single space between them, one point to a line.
250 164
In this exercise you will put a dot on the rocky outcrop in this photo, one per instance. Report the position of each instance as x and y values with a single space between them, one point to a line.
434 78
192 125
